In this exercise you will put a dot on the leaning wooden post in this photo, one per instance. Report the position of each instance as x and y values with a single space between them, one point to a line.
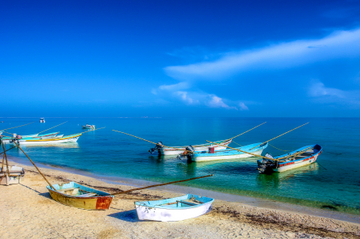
34 165
161 184
7 166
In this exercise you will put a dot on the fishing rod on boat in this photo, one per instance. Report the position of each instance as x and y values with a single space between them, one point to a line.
281 135
52 127
34 165
142 139
17 126
246 131
162 184
257 155
92 130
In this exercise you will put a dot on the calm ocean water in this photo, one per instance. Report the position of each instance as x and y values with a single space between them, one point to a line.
332 183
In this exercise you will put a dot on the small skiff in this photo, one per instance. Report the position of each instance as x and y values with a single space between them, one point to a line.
31 136
80 196
42 120
176 150
211 155
64 139
88 126
174 209
298 158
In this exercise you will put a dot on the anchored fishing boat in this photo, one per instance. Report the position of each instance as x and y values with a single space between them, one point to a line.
42 120
174 209
7 139
80 196
61 139
233 153
88 126
298 158
176 150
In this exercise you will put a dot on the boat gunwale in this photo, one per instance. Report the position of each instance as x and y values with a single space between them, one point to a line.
173 148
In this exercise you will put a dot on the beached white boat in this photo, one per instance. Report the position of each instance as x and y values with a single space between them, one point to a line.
176 150
64 139
298 158
174 209
14 176
211 155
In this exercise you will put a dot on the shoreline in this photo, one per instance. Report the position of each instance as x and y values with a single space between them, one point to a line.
246 200
32 213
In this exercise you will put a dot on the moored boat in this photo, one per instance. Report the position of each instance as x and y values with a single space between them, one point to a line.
88 126
174 209
42 120
53 140
80 196
298 158
234 153
176 150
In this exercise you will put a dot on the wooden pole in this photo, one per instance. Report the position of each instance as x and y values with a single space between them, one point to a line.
6 161
257 155
8 150
52 127
281 134
92 130
247 131
142 139
17 126
2 164
34 165
162 184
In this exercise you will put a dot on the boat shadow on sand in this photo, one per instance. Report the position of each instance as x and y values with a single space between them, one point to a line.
46 194
128 216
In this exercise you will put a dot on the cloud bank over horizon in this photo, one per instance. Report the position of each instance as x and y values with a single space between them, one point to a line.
275 57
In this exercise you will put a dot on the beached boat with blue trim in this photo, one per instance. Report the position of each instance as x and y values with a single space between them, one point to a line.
295 159
234 153
80 196
174 209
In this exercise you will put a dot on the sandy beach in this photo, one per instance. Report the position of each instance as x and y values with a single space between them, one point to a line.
27 211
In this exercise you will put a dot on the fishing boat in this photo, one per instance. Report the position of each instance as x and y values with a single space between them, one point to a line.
42 120
64 139
29 137
11 176
234 153
174 209
176 150
88 126
80 196
298 158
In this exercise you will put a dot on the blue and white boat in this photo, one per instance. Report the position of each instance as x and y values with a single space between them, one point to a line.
174 209
298 158
235 153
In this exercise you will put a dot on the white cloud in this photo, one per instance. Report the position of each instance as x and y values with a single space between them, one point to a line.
284 55
243 106
324 94
217 102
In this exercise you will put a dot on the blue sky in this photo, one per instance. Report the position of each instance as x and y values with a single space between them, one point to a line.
180 58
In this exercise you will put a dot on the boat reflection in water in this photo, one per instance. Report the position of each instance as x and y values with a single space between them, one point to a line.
275 179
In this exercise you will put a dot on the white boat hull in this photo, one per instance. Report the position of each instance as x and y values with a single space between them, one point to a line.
177 150
296 165
210 157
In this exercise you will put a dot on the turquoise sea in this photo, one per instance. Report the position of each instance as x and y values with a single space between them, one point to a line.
333 183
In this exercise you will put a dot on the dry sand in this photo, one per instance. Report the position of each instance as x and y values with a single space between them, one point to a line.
27 211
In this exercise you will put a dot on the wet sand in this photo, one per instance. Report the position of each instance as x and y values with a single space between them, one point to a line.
27 211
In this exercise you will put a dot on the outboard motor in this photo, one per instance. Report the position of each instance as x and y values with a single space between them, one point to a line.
266 165
157 148
186 155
